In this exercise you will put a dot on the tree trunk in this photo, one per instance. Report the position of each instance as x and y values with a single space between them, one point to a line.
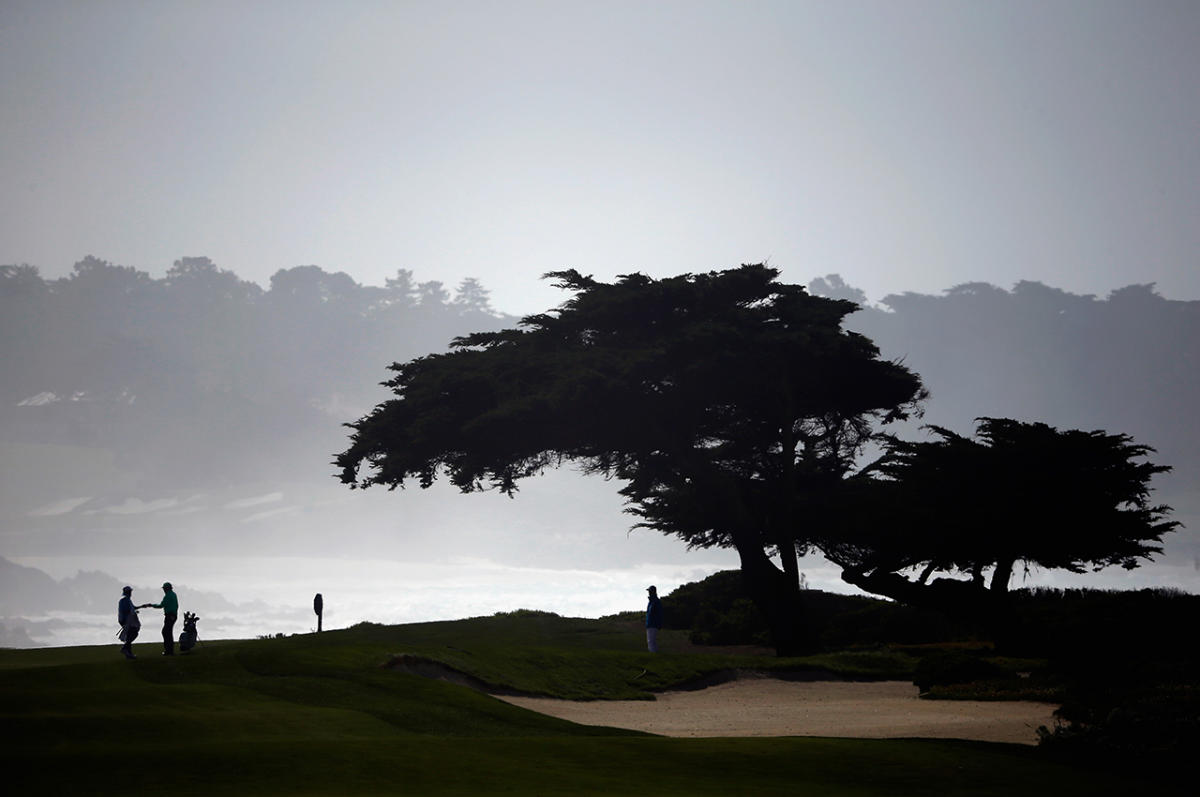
1001 619
926 573
777 596
789 561
969 601
960 599
1002 575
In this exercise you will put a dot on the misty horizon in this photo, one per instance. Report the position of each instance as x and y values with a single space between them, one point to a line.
83 482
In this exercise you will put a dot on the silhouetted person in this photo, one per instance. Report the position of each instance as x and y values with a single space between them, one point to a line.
654 616
170 607
318 607
128 620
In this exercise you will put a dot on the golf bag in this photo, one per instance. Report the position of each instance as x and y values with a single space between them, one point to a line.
129 631
189 636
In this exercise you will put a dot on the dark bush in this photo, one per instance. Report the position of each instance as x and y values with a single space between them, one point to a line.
883 622
1130 711
1092 622
742 623
715 595
954 667
1046 623
718 611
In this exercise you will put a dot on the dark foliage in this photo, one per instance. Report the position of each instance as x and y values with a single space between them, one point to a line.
880 622
954 667
1128 708
1096 624
718 611
1022 495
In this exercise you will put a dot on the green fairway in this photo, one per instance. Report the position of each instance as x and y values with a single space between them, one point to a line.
324 714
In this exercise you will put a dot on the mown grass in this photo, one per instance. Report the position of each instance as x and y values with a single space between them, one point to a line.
567 766
322 715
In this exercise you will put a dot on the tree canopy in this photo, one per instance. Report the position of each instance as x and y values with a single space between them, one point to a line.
1021 494
716 398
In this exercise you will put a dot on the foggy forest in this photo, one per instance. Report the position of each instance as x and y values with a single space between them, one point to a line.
126 396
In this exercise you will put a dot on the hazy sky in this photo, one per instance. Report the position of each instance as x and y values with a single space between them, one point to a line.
904 145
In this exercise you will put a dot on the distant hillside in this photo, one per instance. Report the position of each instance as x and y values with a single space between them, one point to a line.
200 377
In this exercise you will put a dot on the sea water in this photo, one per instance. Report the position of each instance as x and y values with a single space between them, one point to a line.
247 597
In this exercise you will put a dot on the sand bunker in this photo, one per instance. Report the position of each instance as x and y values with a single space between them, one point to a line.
771 707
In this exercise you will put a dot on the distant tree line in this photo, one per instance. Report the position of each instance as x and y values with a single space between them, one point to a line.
110 329
1128 361
203 363
189 368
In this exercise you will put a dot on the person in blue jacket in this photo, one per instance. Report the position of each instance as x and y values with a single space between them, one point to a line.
128 620
654 619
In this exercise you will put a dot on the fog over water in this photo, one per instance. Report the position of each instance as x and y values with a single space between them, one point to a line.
274 595
247 597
